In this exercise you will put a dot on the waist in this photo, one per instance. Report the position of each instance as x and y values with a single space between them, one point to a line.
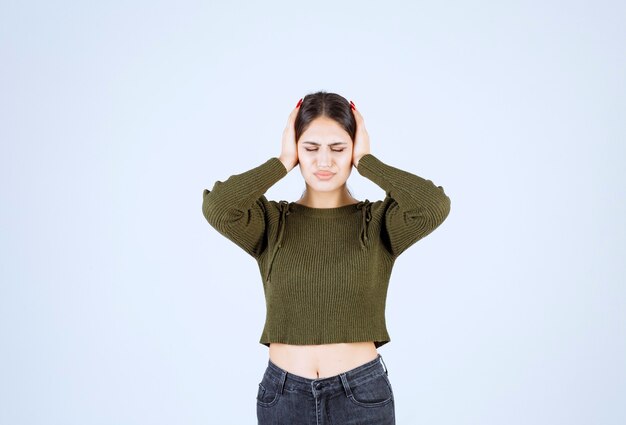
328 385
320 361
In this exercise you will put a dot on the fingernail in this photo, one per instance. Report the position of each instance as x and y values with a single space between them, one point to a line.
299 103
352 105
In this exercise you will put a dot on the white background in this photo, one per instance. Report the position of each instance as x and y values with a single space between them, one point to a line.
119 304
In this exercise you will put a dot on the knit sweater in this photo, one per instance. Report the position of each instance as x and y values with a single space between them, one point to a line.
325 271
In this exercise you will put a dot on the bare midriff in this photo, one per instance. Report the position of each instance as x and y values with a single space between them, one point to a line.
321 361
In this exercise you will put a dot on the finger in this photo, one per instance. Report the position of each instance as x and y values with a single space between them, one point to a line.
292 115
357 115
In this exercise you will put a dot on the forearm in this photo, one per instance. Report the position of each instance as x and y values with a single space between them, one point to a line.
409 190
240 191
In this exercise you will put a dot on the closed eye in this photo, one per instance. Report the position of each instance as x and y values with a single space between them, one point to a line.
334 150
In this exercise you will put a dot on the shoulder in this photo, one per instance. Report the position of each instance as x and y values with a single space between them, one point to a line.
271 206
381 206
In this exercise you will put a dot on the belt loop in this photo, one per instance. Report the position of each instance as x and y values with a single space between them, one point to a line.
281 384
346 386
383 363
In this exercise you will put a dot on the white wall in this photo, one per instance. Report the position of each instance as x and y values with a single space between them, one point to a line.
119 304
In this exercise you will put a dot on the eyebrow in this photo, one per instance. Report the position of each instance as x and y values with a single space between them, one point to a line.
331 144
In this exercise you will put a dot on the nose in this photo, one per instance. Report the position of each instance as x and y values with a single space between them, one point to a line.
323 160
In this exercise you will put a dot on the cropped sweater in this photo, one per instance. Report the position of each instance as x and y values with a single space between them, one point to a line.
325 271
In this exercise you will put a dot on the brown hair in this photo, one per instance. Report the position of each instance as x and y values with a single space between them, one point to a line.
325 104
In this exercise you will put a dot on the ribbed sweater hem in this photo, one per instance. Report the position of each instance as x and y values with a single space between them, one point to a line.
378 339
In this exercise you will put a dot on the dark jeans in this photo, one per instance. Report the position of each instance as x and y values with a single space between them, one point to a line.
360 396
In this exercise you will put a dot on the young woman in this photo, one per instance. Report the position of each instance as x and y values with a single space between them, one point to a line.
325 262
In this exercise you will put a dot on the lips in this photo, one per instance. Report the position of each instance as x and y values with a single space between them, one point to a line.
324 176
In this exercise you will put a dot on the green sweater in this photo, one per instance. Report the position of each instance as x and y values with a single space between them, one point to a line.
325 271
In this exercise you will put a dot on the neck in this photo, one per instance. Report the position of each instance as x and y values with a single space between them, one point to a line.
336 198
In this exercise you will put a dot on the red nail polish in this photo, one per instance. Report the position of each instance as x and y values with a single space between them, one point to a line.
352 105
299 103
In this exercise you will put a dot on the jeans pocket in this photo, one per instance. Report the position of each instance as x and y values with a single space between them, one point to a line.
267 394
374 392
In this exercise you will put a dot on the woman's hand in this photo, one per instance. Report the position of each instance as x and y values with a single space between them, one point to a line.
289 153
361 138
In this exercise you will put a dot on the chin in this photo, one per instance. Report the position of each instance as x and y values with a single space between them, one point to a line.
328 187
323 188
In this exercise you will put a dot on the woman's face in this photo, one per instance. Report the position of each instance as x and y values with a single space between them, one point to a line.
325 155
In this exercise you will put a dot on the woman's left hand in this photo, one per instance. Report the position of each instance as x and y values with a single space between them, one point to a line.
361 144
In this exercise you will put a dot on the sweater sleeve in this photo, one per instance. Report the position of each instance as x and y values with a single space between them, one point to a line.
413 206
237 207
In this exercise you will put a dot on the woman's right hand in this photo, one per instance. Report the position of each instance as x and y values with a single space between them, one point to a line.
289 153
